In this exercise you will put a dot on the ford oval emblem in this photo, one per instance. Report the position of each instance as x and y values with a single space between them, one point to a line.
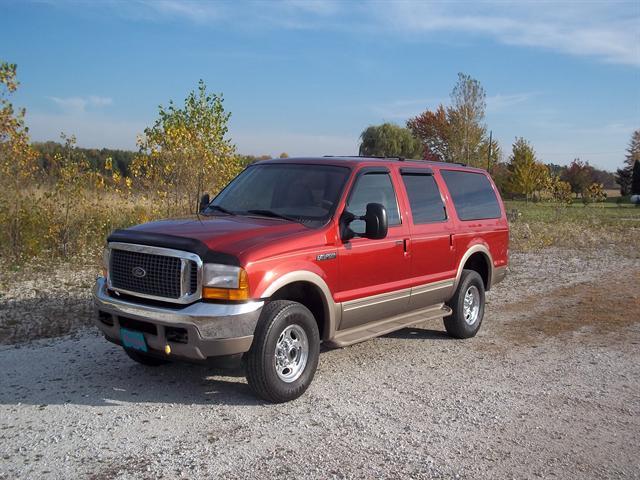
139 272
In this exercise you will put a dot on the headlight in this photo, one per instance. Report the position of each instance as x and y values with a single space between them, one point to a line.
224 282
105 262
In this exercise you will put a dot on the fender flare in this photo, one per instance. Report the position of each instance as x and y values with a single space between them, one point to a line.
332 315
477 248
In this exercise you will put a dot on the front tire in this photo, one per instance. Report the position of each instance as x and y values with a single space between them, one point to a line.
467 304
284 354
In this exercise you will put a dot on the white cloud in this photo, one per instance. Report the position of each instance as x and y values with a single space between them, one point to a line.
608 31
501 101
401 110
80 104
196 11
316 7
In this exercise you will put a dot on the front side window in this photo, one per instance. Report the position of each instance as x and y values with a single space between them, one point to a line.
374 187
472 195
306 194
424 198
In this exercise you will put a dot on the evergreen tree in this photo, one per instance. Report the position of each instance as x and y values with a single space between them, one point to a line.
635 179
624 174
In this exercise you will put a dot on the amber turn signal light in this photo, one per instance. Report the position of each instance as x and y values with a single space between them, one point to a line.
233 294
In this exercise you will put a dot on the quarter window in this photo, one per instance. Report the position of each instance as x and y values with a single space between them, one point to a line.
424 198
472 195
374 187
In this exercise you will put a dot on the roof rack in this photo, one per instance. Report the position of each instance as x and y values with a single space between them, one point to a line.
400 159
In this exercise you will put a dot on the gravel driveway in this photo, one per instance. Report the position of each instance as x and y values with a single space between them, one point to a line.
549 388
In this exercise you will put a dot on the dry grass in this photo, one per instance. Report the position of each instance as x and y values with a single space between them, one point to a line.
608 305
537 226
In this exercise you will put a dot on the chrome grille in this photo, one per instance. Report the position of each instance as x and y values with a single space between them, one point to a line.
154 272
161 274
193 278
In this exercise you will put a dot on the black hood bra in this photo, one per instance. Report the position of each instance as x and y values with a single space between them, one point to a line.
175 242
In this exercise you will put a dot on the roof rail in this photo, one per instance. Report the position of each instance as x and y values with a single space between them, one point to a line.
400 159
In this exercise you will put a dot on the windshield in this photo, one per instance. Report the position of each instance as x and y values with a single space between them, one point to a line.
303 193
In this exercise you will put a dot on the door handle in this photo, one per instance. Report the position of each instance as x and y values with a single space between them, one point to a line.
405 244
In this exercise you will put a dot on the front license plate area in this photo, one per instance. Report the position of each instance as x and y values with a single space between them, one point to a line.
133 340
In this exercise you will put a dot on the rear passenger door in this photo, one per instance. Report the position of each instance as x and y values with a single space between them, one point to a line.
432 251
480 212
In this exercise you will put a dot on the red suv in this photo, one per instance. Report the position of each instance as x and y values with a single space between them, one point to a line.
295 252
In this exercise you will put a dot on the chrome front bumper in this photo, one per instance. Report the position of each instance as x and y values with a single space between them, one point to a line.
212 329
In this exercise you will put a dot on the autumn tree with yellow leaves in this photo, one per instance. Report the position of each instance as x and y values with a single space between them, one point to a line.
186 152
18 167
527 174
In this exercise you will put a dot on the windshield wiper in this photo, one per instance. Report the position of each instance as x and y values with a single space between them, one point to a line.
221 209
271 213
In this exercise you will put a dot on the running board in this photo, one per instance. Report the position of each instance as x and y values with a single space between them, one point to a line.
382 327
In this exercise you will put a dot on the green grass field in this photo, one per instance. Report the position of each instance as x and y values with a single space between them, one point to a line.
539 225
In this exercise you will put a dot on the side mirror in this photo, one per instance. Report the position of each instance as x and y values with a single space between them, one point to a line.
204 202
376 223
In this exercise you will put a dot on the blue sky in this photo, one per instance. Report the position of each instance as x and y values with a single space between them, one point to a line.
306 77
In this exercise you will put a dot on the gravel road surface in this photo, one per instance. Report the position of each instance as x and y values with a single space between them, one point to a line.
550 387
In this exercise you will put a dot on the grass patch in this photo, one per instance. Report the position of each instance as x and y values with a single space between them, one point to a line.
540 225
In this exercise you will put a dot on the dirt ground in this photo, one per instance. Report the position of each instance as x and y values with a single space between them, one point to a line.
550 387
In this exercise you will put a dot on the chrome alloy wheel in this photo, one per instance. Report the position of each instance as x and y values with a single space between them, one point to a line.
471 307
292 352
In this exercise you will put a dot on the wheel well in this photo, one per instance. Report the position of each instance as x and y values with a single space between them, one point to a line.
479 262
308 295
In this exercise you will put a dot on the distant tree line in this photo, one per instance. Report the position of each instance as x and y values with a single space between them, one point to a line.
97 159
458 133
104 160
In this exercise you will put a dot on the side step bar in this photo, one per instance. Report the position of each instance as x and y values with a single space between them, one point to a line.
382 327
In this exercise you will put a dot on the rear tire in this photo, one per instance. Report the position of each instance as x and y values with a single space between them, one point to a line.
284 354
467 304
143 359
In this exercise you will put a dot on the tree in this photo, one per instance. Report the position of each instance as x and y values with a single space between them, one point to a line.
457 133
623 178
527 175
18 166
389 140
187 151
501 175
466 117
633 150
72 180
594 193
635 179
560 190
579 175
624 174
434 130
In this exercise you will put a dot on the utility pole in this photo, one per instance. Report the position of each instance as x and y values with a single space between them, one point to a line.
489 153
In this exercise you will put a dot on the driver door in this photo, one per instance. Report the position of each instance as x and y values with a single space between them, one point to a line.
374 274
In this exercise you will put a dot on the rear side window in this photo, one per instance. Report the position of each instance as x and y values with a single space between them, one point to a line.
374 188
472 195
424 198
